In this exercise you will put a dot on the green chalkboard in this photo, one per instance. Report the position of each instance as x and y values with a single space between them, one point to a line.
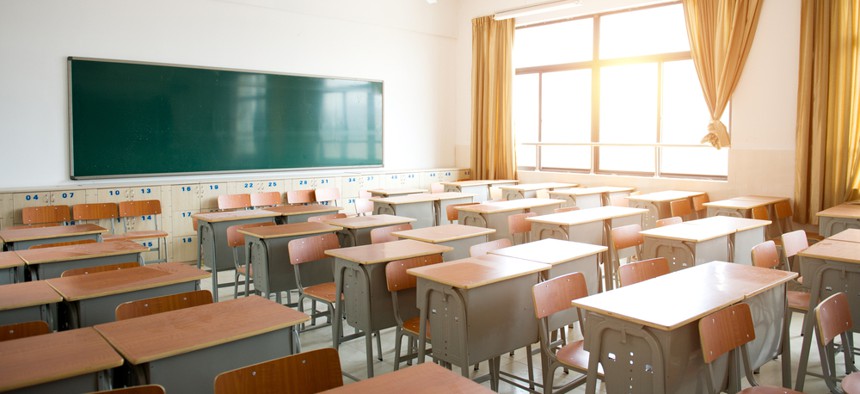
139 119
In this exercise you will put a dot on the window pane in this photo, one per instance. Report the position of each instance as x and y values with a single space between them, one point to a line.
525 118
695 161
685 115
626 159
566 103
556 43
526 156
644 32
628 104
566 157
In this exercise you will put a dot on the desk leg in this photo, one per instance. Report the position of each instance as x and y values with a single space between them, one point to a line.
337 324
207 251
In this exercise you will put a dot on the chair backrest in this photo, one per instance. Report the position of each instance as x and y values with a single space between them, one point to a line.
765 255
794 242
618 201
566 209
364 194
323 218
139 208
144 389
383 234
304 196
396 277
680 208
66 243
236 239
783 209
363 206
46 214
452 213
699 204
668 221
437 187
517 224
265 199
305 250
99 268
642 270
554 295
628 236
760 213
151 306
327 194
485 247
105 210
234 201
23 330
304 373
833 317
725 330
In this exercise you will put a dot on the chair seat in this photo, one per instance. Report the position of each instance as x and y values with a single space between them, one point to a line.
768 390
145 234
851 383
413 326
798 300
323 291
574 356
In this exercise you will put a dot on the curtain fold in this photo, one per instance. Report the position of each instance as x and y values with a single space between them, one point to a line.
492 78
721 33
828 107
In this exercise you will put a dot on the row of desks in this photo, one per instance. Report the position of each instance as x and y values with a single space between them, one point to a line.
51 262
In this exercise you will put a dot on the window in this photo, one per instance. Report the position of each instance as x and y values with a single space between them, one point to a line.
612 93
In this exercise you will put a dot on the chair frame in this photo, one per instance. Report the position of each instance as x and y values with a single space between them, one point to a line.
833 319
308 250
399 281
517 224
453 214
621 239
130 210
699 207
235 239
681 208
97 211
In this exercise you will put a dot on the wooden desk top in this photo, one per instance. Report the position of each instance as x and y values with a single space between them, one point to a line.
587 215
668 195
728 223
475 272
584 191
215 217
406 199
452 195
766 200
846 211
849 235
537 186
291 210
289 230
510 205
443 233
100 284
369 221
388 251
682 297
153 337
687 232
80 252
55 356
421 378
828 249
736 203
33 233
10 259
550 251
396 191
480 182
27 294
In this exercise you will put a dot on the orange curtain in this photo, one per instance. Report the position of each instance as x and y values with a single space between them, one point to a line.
492 79
828 107
721 33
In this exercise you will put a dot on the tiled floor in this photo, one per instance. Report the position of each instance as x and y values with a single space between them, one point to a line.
352 355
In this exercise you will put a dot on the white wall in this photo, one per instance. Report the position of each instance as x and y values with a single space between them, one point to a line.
408 44
761 160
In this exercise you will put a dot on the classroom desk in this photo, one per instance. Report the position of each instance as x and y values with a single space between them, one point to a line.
744 234
480 188
356 229
479 308
212 238
266 249
660 331
11 267
742 207
184 350
495 214
835 219
448 198
657 204
423 378
92 299
301 213
27 301
395 191
360 276
24 238
827 267
425 208
460 237
589 197
529 190
848 235
685 245
60 362
50 263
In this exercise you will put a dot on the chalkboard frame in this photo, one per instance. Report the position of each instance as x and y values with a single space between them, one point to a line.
378 158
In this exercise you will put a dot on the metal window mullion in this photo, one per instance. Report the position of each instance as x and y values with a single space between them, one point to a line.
595 95
657 150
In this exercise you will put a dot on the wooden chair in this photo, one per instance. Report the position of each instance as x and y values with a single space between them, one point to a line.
669 221
681 208
327 195
485 247
437 187
236 241
765 255
551 297
130 211
517 224
833 319
730 329
699 207
408 323
625 243
144 389
784 221
363 206
46 215
323 218
66 243
234 202
309 250
151 306
304 373
453 214
265 199
792 244
99 268
619 201
301 197
639 271
383 234
760 213
566 209
99 212
23 330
